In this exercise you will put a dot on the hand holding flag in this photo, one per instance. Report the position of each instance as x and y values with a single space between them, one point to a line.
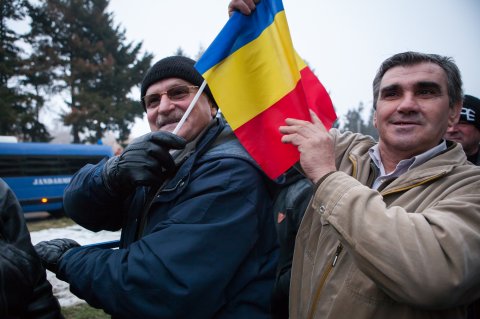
258 81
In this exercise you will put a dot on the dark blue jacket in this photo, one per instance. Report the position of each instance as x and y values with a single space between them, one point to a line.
289 206
208 248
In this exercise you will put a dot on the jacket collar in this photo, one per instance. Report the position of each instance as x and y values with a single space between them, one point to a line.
186 159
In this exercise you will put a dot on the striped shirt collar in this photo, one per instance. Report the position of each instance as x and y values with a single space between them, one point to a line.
404 165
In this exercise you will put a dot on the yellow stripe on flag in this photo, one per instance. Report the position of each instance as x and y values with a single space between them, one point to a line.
257 75
300 63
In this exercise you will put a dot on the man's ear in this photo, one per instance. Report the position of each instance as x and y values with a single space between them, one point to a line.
213 108
375 119
454 115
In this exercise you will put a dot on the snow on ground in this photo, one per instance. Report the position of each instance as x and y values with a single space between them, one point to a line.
83 237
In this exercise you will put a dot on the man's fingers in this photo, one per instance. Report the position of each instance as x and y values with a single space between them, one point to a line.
168 140
244 6
313 115
291 139
288 129
251 4
317 121
292 121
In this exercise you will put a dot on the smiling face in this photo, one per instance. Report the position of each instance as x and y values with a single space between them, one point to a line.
413 110
168 113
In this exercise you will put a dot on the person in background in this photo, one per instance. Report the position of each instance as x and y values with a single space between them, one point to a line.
289 206
467 133
198 236
467 130
24 289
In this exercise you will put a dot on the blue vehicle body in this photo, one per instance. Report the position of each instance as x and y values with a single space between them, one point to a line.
39 172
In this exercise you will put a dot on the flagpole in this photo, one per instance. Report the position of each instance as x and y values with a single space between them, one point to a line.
190 107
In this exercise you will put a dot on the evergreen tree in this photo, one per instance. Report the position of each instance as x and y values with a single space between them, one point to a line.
87 56
201 51
19 114
355 123
9 64
180 52
370 129
353 119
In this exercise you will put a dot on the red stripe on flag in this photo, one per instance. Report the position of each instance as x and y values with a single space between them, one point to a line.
260 135
318 98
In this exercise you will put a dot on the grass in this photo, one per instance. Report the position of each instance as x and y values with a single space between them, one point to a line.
48 222
82 311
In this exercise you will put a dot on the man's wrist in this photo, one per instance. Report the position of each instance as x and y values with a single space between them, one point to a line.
108 180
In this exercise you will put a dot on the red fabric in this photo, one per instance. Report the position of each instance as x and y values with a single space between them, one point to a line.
260 136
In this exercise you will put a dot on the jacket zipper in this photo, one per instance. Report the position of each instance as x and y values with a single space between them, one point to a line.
149 201
330 267
401 189
323 279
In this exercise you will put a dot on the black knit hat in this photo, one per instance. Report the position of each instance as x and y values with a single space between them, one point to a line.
470 111
174 67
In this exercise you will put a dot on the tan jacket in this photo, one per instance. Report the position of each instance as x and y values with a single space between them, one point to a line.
409 250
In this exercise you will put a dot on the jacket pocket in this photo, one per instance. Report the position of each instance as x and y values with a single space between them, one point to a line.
363 288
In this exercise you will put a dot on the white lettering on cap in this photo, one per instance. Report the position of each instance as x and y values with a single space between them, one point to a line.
469 114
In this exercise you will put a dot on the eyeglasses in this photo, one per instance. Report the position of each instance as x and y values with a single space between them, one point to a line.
176 93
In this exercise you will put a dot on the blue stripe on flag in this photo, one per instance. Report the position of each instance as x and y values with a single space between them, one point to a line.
237 32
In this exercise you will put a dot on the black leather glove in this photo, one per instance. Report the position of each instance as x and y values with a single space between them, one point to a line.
145 161
52 251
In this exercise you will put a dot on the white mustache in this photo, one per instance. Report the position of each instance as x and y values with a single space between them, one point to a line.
171 118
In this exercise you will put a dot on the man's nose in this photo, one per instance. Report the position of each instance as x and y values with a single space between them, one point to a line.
166 105
408 103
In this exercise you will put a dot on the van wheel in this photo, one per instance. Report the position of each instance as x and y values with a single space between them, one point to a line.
59 213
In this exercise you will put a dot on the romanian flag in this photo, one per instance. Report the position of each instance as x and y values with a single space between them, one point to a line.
258 81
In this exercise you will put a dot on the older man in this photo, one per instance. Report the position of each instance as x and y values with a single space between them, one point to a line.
393 229
467 130
198 236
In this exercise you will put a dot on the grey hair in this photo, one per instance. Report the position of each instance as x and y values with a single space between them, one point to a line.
454 78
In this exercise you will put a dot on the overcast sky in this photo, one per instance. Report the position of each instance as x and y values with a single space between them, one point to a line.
344 41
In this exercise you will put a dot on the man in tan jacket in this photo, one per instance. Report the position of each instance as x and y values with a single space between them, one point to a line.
393 229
